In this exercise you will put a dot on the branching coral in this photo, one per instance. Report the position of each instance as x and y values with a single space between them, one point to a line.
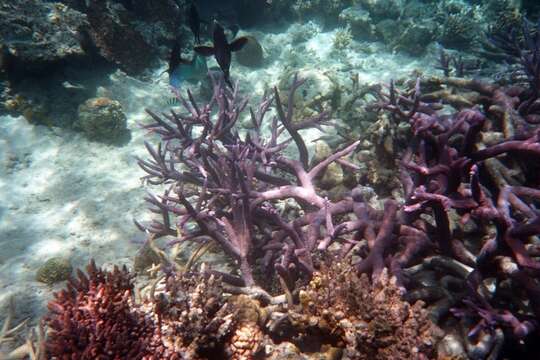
98 316
522 45
94 318
470 197
226 188
238 183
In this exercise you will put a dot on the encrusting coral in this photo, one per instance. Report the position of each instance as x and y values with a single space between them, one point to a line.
369 320
99 316
189 316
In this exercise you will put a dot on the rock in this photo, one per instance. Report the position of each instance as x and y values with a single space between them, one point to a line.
251 54
54 270
102 119
450 347
414 38
382 9
116 39
37 33
145 258
283 350
333 175
359 21
388 30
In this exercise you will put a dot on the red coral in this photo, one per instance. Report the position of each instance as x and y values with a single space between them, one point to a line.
94 319
97 317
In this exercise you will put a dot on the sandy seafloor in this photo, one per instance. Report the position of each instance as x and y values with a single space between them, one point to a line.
62 195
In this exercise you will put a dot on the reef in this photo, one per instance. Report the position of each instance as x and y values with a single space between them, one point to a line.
340 274
54 55
294 280
470 189
442 262
187 315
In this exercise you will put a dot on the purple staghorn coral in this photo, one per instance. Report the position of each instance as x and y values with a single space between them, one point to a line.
230 185
464 238
470 216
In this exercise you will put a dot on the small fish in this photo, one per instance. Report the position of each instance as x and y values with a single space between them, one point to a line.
191 71
181 70
214 72
194 21
222 50
173 101
68 85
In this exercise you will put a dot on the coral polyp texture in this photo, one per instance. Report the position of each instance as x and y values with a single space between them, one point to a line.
370 320
188 316
98 316
228 189
471 192
94 318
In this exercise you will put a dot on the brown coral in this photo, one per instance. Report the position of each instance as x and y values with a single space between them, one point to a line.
370 321
193 318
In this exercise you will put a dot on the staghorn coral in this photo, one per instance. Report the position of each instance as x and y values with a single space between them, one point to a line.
469 181
245 200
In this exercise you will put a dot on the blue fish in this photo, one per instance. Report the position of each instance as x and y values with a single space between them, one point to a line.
191 71
181 70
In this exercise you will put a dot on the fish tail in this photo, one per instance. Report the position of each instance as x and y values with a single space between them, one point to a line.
173 101
228 81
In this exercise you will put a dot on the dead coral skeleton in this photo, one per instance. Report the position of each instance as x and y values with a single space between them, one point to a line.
31 347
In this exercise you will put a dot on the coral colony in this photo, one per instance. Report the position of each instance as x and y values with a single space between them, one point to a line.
320 276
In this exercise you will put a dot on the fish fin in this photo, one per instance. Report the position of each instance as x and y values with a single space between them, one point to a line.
238 44
204 50
175 58
228 81
234 29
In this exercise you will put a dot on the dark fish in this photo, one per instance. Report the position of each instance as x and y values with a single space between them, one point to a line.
194 21
222 50
128 4
175 58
